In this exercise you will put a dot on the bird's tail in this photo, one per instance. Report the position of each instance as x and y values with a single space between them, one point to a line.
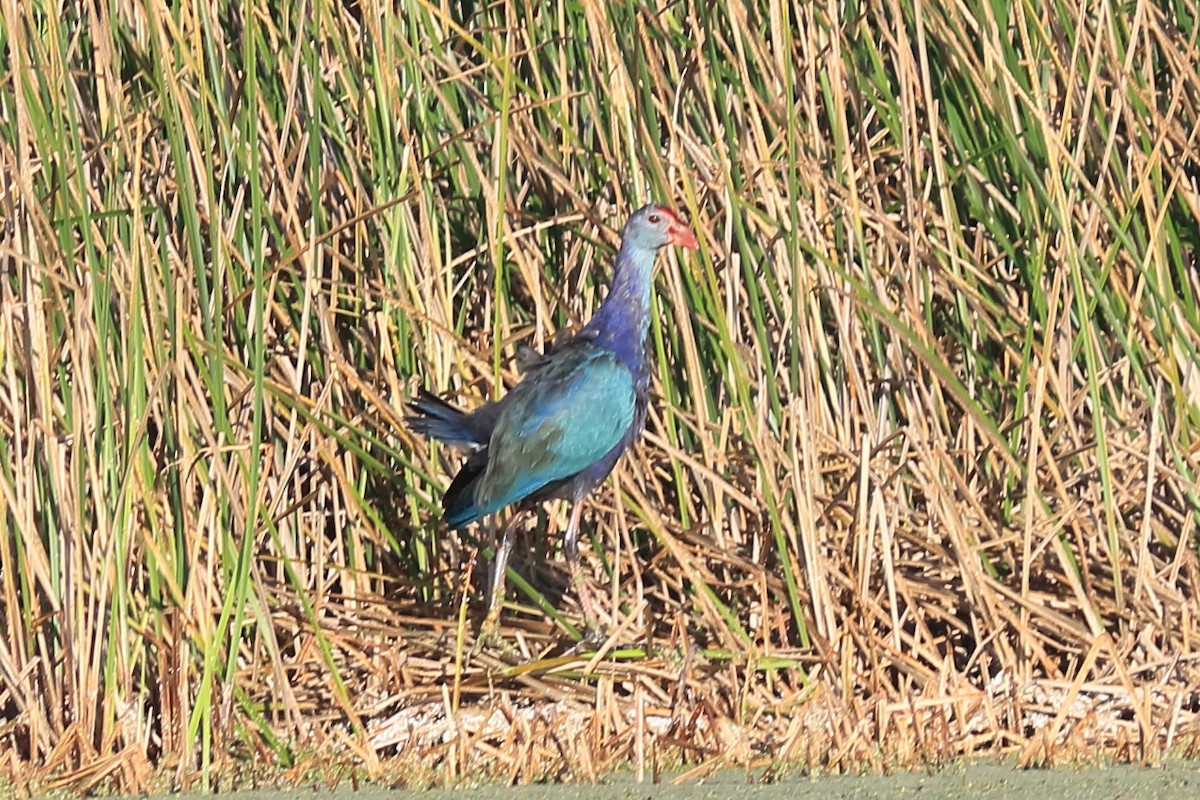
434 417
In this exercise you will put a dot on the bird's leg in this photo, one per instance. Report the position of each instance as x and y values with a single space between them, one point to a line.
491 623
578 579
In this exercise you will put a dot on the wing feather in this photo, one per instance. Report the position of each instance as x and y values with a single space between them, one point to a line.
556 423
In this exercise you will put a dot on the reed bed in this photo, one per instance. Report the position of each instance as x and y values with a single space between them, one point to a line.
919 481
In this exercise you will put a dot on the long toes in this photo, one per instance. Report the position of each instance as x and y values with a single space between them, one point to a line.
489 635
594 634
591 637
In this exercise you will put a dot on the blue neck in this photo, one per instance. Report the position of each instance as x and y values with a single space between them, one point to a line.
621 322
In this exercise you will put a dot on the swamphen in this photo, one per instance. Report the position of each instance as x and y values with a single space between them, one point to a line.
558 433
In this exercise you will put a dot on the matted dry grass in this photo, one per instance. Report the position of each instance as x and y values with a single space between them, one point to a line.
919 478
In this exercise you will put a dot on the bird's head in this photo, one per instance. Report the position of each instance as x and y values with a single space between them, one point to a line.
655 226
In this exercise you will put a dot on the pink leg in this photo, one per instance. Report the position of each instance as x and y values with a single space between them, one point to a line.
578 579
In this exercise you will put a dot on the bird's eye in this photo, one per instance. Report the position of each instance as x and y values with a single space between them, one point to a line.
654 219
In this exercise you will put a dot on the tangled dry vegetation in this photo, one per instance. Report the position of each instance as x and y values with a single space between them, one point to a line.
919 481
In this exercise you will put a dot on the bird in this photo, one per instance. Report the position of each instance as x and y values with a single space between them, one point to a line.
561 429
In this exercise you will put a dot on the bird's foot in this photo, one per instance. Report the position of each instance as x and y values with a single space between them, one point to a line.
592 636
489 635
485 641
594 633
